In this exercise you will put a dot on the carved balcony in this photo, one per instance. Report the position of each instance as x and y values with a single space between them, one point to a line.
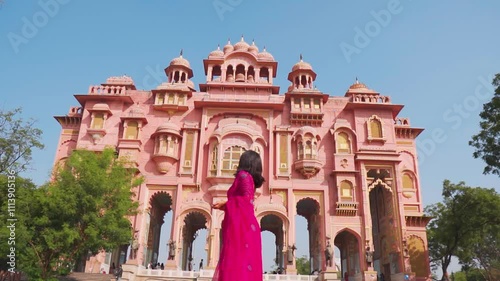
347 209
308 167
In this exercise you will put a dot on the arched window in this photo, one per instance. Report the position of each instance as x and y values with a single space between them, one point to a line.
216 73
98 120
230 74
171 98
407 181
300 150
309 150
251 74
376 128
296 103
176 77
346 191
307 103
240 73
132 130
181 99
215 160
231 159
343 143
264 74
160 99
317 103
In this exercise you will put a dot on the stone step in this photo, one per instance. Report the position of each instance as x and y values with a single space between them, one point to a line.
80 276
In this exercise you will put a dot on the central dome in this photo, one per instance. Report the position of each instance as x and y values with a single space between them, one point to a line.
242 45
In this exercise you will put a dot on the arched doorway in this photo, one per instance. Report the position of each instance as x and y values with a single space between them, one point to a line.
274 224
160 204
193 222
309 209
385 227
349 248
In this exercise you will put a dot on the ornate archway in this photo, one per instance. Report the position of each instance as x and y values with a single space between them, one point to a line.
274 224
193 222
309 209
160 203
348 243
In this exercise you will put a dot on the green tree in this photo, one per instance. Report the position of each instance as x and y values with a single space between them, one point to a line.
458 222
487 142
82 210
17 139
15 205
303 265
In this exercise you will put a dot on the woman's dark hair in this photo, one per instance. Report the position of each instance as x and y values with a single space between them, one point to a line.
250 161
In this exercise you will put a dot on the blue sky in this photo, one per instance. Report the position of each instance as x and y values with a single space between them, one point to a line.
435 57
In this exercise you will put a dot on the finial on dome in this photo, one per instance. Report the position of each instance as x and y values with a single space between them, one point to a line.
228 41
218 47
181 53
357 81
253 42
242 39
300 57
264 50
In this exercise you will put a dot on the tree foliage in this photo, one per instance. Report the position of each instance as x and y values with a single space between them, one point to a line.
487 142
460 222
303 265
15 206
17 140
82 210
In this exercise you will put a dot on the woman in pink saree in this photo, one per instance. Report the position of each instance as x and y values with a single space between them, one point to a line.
241 245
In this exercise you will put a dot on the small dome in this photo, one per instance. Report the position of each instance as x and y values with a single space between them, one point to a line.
216 53
168 128
301 65
358 85
100 107
265 55
190 84
242 45
180 61
253 49
228 48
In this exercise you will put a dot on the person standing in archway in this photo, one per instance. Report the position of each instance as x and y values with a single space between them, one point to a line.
241 252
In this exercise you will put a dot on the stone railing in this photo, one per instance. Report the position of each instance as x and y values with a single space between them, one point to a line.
283 277
209 274
347 208
370 98
106 90
402 121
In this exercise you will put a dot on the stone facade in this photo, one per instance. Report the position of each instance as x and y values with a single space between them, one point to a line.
347 164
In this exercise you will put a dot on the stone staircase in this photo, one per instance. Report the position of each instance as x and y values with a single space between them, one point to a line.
81 276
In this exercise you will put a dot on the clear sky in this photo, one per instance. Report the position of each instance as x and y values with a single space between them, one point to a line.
435 57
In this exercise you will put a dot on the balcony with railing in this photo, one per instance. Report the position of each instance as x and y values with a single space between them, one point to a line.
347 209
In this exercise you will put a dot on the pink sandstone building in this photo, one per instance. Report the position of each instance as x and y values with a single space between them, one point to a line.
347 164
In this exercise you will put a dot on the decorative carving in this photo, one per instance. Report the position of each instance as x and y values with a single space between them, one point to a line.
329 257
291 253
171 249
369 256
344 163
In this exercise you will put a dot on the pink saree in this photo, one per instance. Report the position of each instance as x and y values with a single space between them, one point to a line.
241 246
